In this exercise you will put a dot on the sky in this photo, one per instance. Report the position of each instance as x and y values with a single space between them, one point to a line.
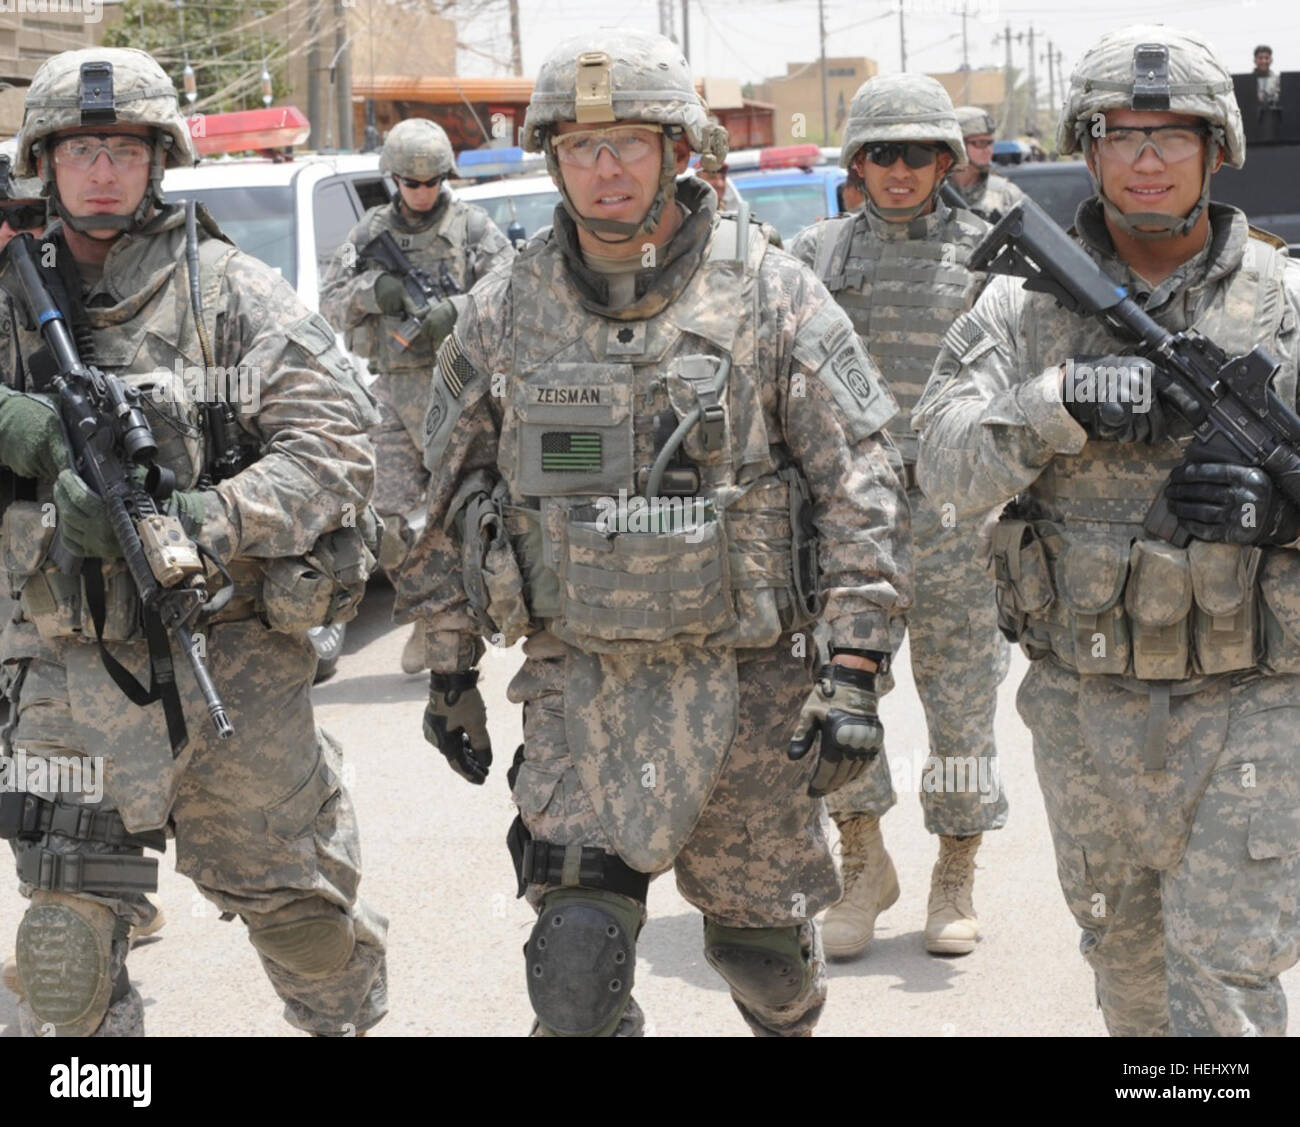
754 39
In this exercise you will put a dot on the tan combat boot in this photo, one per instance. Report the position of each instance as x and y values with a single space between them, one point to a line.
951 927
870 886
11 976
413 660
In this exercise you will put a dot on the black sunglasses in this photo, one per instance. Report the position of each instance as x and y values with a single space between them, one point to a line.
22 216
420 183
914 154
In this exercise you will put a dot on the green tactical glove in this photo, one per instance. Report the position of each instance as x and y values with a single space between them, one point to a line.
842 710
31 442
439 322
455 722
390 294
83 516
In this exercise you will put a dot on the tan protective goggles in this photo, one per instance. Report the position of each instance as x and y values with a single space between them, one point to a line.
626 144
1172 143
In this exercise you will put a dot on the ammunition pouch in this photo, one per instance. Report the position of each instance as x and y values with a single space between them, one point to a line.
325 586
490 570
1117 603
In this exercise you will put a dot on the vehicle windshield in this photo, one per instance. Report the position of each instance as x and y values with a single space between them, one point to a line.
257 220
534 211
788 207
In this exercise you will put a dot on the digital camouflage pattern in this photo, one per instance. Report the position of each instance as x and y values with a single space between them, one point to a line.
1167 812
418 149
459 237
992 196
901 107
262 823
902 285
594 723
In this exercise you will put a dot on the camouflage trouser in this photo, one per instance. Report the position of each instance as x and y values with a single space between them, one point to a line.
400 477
1193 947
758 857
958 660
262 823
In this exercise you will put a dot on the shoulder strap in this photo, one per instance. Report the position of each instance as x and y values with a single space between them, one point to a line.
833 238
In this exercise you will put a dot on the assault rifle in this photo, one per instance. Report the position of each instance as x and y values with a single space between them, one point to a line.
110 441
422 291
1226 400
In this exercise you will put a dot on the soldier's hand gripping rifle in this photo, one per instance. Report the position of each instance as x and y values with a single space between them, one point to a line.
422 291
110 441
1226 400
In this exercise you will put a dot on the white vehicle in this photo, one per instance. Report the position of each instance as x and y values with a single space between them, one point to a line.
520 205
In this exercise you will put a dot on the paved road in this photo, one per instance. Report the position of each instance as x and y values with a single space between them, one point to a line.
436 864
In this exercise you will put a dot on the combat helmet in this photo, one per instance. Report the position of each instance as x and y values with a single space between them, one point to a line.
1150 67
616 75
95 87
16 187
419 149
975 121
902 107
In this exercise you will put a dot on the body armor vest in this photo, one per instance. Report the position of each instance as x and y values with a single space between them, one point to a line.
148 340
1078 577
902 285
439 250
725 556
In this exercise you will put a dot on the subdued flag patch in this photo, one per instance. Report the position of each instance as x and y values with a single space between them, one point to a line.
568 452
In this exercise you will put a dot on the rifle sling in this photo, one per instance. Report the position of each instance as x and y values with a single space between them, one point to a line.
162 670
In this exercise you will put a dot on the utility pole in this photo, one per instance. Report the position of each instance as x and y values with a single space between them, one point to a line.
666 20
965 59
826 105
313 73
686 29
516 46
1032 115
1060 74
1051 76
343 76
902 36
1008 123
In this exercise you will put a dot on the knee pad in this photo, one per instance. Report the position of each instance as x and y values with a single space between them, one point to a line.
581 958
315 942
65 962
763 965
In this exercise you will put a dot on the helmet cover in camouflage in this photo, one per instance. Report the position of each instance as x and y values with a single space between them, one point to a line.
901 107
419 149
617 75
1195 83
16 187
975 121
136 91
1149 67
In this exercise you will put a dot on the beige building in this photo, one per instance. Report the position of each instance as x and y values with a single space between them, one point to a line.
796 98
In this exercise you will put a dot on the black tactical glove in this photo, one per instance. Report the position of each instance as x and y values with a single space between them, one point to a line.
390 294
1230 503
455 722
841 709
1114 398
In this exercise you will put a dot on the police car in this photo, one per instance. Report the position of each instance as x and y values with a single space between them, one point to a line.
291 212
789 186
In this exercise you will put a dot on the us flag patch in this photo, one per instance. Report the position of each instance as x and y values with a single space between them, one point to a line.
567 452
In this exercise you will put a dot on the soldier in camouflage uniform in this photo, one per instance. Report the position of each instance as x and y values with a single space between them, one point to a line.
647 349
456 244
260 821
987 194
1162 693
898 268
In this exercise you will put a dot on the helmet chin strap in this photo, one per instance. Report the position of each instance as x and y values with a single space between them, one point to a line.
1158 225
664 195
